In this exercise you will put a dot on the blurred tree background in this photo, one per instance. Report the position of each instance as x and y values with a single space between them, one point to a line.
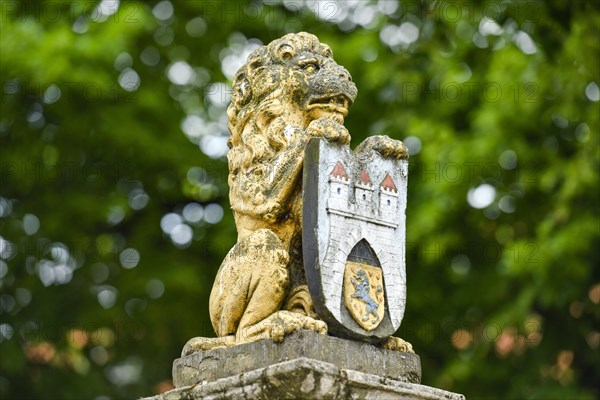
114 212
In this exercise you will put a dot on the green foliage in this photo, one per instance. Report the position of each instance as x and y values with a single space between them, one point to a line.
113 123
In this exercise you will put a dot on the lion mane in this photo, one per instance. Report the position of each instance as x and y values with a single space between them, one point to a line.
259 100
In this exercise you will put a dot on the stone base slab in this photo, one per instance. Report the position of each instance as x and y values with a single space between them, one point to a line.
304 378
306 365
210 365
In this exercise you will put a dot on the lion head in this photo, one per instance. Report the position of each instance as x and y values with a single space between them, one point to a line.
282 88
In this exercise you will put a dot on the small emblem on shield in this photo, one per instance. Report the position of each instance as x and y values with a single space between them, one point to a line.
363 294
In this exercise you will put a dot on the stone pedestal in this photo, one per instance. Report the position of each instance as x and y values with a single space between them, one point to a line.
305 366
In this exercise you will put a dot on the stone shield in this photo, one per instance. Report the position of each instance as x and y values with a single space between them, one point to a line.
353 239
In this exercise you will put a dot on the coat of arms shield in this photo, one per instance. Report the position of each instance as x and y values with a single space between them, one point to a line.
353 239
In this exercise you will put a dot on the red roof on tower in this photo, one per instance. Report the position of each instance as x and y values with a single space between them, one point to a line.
339 171
365 178
388 183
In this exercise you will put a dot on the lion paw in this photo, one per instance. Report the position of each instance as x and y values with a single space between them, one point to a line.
286 322
194 345
386 146
397 344
329 129
278 325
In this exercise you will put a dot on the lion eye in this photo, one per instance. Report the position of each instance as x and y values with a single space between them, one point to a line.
311 68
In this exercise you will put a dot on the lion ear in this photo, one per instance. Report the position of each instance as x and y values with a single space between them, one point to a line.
326 51
285 51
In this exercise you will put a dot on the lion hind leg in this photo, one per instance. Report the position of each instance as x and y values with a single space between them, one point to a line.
247 295
251 283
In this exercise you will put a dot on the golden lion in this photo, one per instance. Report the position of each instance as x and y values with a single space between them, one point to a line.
287 93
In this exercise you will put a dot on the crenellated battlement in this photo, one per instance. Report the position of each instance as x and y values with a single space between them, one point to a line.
359 197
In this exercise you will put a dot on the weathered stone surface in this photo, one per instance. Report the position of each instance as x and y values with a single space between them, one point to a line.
286 94
210 365
304 378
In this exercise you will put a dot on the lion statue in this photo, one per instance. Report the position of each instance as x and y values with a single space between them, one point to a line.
287 93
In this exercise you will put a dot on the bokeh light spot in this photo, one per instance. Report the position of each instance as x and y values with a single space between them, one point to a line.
592 91
213 213
129 258
31 224
155 288
170 221
413 144
508 159
182 235
193 212
482 196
